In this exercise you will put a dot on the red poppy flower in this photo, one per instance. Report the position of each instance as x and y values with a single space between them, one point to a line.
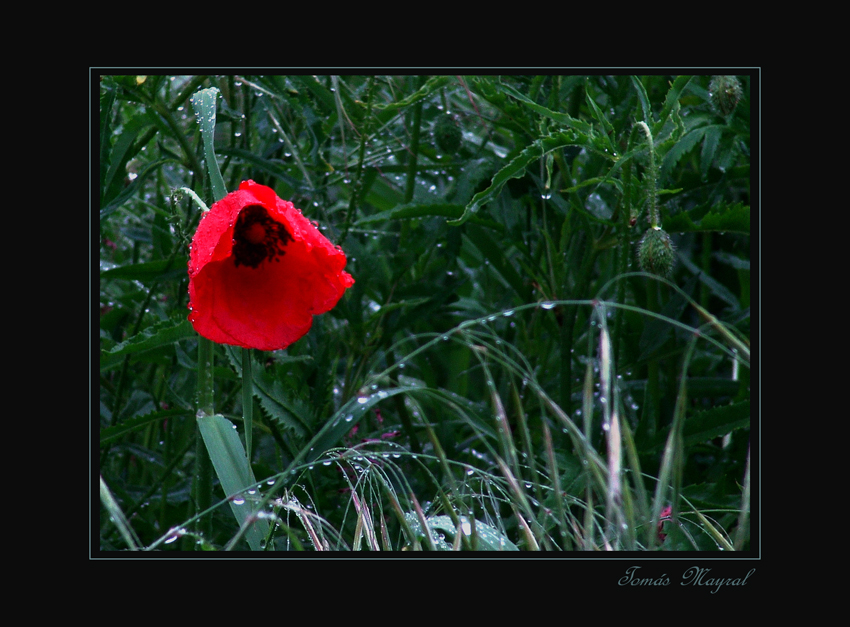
259 271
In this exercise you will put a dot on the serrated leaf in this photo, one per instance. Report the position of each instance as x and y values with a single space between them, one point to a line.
516 168
643 98
711 423
289 413
560 118
160 334
680 149
432 84
722 218
671 102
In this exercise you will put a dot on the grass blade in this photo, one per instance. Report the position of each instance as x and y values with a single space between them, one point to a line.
231 466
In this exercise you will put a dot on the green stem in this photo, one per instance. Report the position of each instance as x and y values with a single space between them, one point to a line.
247 400
413 163
653 175
203 487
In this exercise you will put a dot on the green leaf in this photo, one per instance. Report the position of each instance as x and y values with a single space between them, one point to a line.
132 188
680 149
722 217
204 103
516 168
290 413
710 424
231 466
671 103
560 118
426 210
431 85
489 538
112 434
643 97
160 334
160 270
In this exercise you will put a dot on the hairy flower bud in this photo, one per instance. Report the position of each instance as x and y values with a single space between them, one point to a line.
725 92
447 134
655 252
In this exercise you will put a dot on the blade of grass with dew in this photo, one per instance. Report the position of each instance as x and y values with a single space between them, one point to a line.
204 103
234 473
117 517
672 462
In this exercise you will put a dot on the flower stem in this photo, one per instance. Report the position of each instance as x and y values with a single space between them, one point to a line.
247 400
653 175
203 465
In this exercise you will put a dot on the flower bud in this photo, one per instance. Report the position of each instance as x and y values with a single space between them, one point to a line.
447 134
724 92
655 252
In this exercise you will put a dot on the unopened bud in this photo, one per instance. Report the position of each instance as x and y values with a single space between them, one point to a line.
655 252
447 134
725 92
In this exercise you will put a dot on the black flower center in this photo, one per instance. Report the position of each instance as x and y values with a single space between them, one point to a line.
257 237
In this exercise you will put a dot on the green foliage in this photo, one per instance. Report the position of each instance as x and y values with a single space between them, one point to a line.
500 377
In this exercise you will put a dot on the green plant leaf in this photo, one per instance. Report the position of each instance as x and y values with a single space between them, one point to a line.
723 217
204 103
426 210
155 336
709 424
560 118
132 189
113 434
231 466
148 272
431 85
516 168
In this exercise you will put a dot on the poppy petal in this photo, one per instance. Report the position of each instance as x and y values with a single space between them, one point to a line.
259 271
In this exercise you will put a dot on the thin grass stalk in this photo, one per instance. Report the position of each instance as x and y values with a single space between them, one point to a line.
742 531
642 497
721 540
203 483
429 541
524 435
118 518
248 400
364 524
525 510
611 426
555 477
672 461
